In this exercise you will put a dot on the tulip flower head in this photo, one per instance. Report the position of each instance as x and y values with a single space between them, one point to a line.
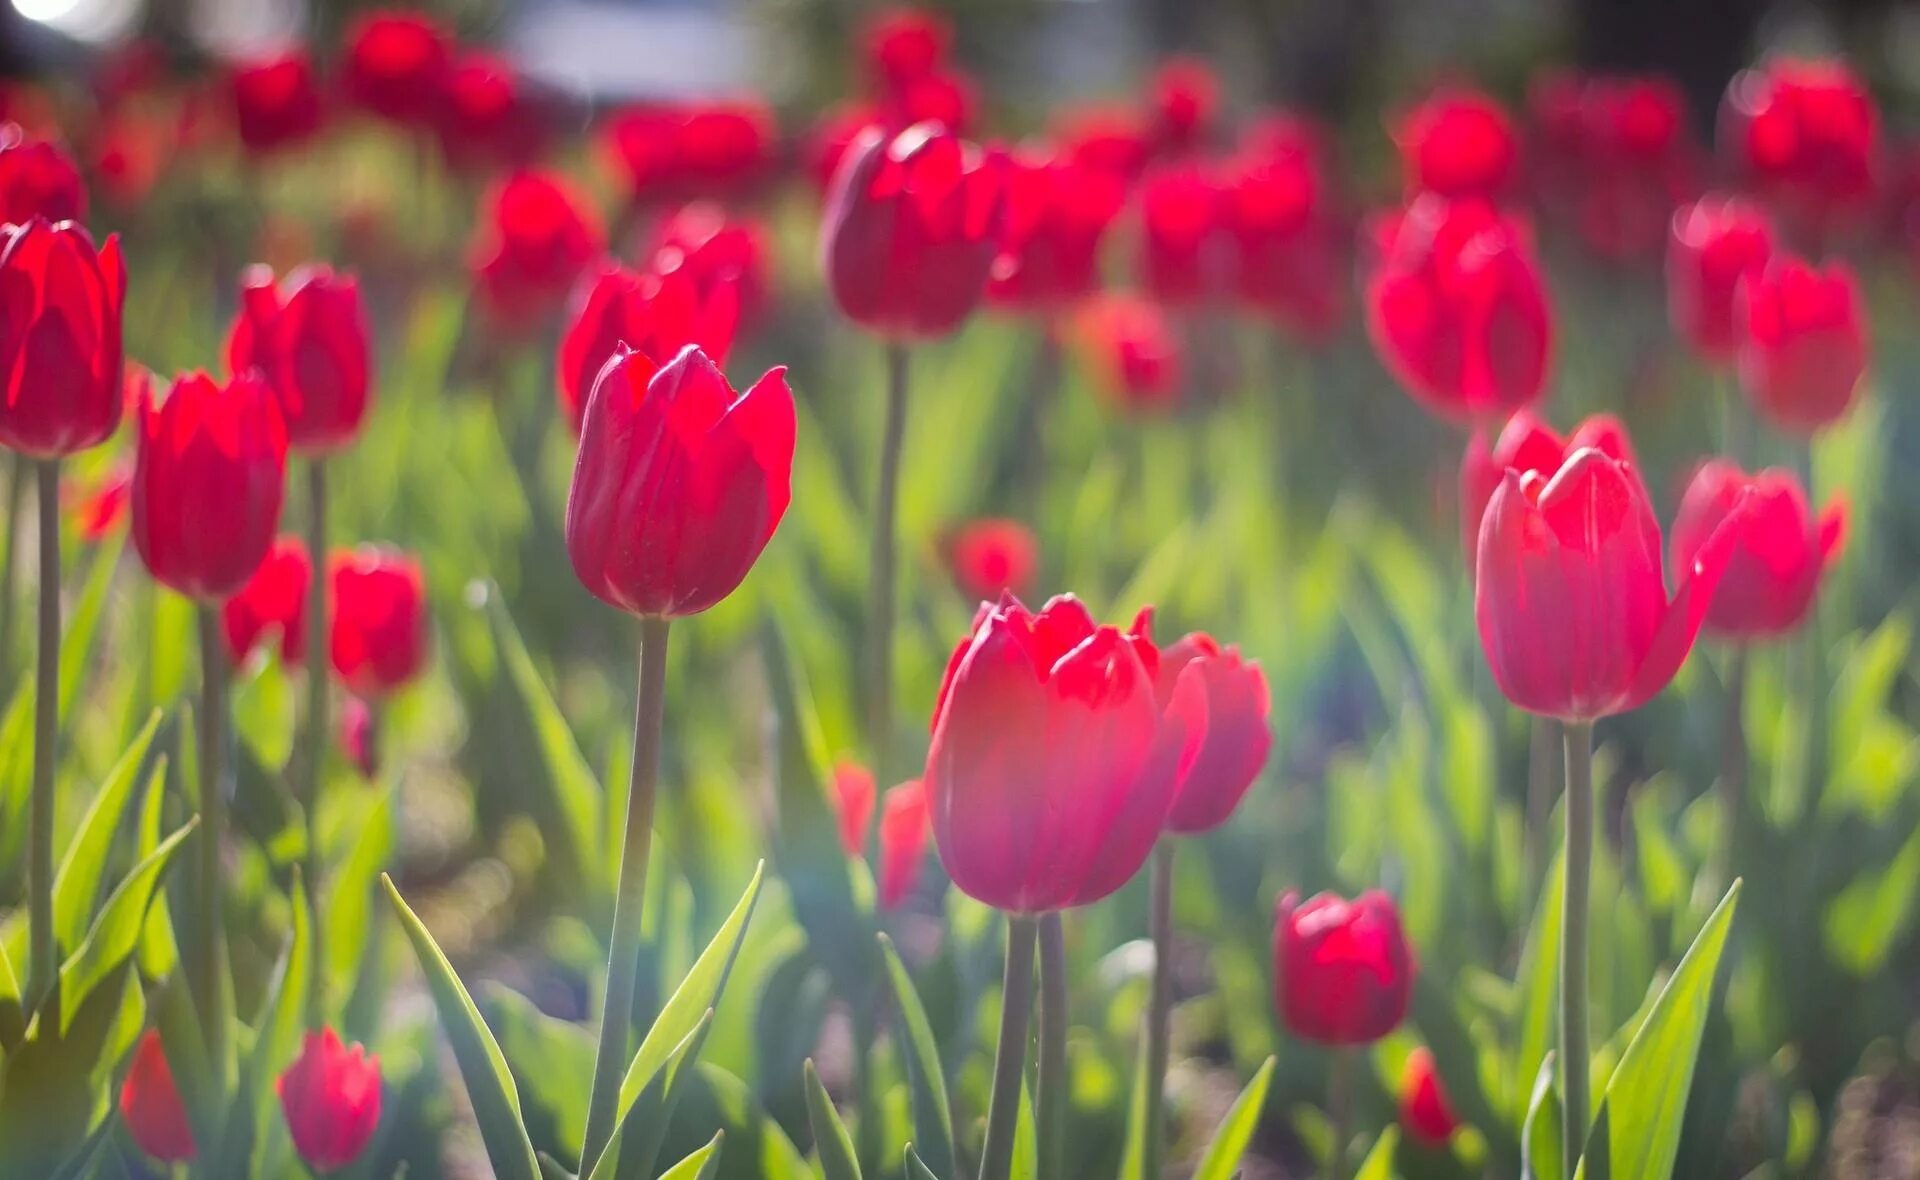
1186 104
534 238
360 737
395 63
902 46
60 350
1290 250
1527 444
276 101
1186 256
1780 549
486 116
37 179
679 483
1459 143
656 315
1343 973
308 337
719 251
1237 737
1716 244
378 635
1803 343
272 604
990 557
687 152
1806 133
331 1098
1058 212
150 1105
1425 1110
903 841
1134 351
1613 159
853 799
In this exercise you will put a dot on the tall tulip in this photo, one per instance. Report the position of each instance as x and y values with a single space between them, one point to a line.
1715 244
378 639
1780 549
37 179
1805 133
331 1098
1803 343
394 64
276 101
534 237
1459 143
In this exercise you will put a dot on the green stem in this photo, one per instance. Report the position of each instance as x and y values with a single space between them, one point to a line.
1543 784
1010 1054
213 826
880 591
1053 1087
1733 763
314 756
1574 1059
1340 1110
623 957
1160 1006
16 497
43 965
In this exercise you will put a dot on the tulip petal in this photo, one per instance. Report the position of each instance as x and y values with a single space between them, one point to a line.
1680 626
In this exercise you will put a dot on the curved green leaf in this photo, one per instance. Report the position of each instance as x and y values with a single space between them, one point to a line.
1540 1141
1222 1158
701 1165
932 1113
116 932
77 885
917 1168
577 794
643 1125
1379 1162
830 1139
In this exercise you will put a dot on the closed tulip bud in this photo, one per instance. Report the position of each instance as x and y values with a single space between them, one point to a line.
273 603
655 315
378 635
276 101
150 1105
911 229
1343 973
1716 243
991 557
686 152
1527 444
1057 214
723 253
679 483
901 46
853 800
309 339
1425 1110
1112 139
1458 309
534 238
1572 608
1458 144
394 64
1807 133
1186 257
1237 735
486 116
903 841
37 179
60 366
1134 352
208 482
331 1098
1780 551
1803 343
1613 158
1186 104
1290 250
1053 765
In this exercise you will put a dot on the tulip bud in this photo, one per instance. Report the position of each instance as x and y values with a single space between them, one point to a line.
1806 133
310 341
1425 1111
394 64
911 229
679 483
1803 342
60 351
1343 973
272 603
1237 736
903 841
150 1105
1186 257
276 101
687 152
853 799
1457 144
378 637
902 46
990 557
1780 552
1289 248
486 118
37 179
724 254
1134 351
1185 103
656 315
1527 444
1716 243
331 1098
1057 214
208 482
533 239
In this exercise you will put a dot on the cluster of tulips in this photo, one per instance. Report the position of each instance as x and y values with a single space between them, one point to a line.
1065 754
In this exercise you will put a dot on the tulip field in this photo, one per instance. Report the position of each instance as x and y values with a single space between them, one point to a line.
918 635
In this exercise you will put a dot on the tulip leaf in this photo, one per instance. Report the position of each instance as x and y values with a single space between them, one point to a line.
496 1103
1540 1137
54 1087
116 932
282 1017
551 1061
917 1168
1026 1142
830 1139
185 1045
1230 1139
1868 918
16 772
932 1113
756 1144
636 1140
576 792
1133 1158
1379 1162
1637 1132
553 1169
83 623
701 1165
13 1019
1538 982
77 886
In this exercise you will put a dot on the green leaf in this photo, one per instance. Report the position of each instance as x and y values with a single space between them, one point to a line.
701 1165
77 885
116 932
577 794
1637 1133
830 1139
1026 1142
917 1168
1133 1156
1868 919
282 1016
1230 1139
1540 1139
54 1088
13 1020
83 623
1379 1162
496 1104
1538 981
552 1065
643 1123
553 1169
932 1113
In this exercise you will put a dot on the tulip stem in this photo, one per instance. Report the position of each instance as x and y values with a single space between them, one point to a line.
1733 763
623 957
880 590
43 967
1340 1110
1160 1007
1574 1061
1052 1087
318 658
213 824
16 498
1010 1055
1543 783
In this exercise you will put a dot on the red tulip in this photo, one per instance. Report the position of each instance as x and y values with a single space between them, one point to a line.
1780 552
679 484
903 841
1613 158
655 315
331 1097
309 339
378 635
1289 248
100 508
208 483
60 352
1343 973
1803 342
911 229
150 1105
945 97
360 737
1110 139
1573 612
1052 765
1425 1110
717 250
37 179
1527 444
901 46
276 101
272 603
853 799
1185 255
1806 133
990 557
1716 242
1237 737
485 116
679 153
534 239
395 63
1186 104
1458 143
831 135
1134 351
1057 214
1458 309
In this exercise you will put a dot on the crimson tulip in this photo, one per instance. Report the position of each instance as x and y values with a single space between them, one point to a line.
309 338
903 841
656 315
717 250
534 238
1058 212
1237 737
902 46
1613 158
991 556
60 350
1458 309
276 101
911 229
1459 143
272 603
1343 973
1572 609
395 63
1803 342
1186 104
1714 245
680 153
1806 133
1289 246
679 483
1185 256
1780 551
150 1105
1425 1110
1134 351
1527 444
853 800
486 116
1110 139
377 638
1053 765
37 179
331 1098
